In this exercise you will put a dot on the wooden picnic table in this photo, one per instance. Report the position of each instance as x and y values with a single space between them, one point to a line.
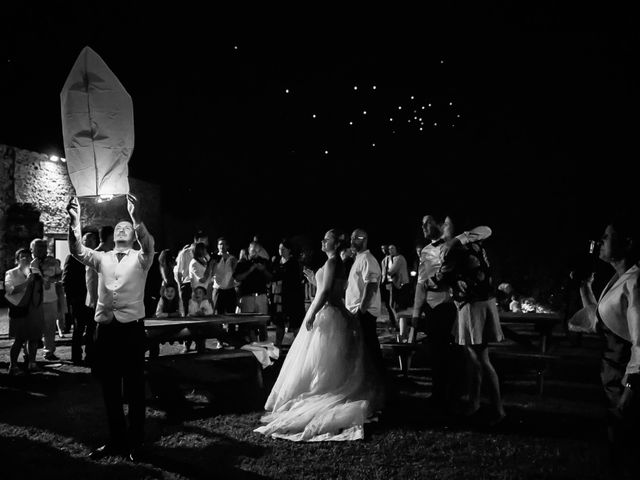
543 324
222 327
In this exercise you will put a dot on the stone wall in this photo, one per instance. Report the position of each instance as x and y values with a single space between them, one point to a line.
30 182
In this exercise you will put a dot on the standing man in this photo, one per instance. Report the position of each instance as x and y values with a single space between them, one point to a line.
224 289
181 270
253 275
363 294
120 336
84 323
435 301
398 275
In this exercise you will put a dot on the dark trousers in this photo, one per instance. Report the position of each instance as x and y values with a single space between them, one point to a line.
84 327
439 323
385 296
224 300
622 426
119 352
371 342
185 295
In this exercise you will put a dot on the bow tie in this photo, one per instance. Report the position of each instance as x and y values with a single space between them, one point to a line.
120 255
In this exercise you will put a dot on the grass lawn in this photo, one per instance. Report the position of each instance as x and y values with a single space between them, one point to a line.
50 421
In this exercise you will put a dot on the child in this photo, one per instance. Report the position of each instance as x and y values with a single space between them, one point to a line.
169 304
199 305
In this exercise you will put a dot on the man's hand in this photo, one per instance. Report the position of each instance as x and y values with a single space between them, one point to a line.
73 209
625 401
133 206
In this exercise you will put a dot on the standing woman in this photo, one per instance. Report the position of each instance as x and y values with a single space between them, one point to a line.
466 269
617 314
288 289
16 285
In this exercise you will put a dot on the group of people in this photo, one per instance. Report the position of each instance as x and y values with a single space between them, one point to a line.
333 379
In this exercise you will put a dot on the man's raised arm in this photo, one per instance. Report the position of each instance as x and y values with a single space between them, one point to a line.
83 254
145 239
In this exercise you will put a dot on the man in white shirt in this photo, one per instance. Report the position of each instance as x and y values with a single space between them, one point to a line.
435 301
181 270
120 338
363 294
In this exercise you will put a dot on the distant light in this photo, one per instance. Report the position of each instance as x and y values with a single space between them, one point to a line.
373 144
54 158
450 104
391 119
326 152
429 105
441 61
422 107
458 115
355 87
235 47
286 90
63 160
314 115
413 273
350 123
104 198
415 118
420 128
374 87
435 124
364 112
419 119
400 107
411 97
393 131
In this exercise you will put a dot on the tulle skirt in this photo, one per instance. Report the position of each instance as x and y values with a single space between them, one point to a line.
328 386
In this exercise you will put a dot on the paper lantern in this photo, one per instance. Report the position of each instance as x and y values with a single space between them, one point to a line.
97 128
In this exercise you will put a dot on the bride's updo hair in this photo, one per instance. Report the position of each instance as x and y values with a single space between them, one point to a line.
340 238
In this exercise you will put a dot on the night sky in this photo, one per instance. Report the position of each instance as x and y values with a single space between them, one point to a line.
531 127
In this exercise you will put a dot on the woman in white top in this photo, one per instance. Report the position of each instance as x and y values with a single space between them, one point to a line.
15 283
617 316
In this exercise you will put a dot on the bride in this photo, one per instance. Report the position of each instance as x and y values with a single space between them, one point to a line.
327 387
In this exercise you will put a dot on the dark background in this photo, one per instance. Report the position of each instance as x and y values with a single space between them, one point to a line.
542 152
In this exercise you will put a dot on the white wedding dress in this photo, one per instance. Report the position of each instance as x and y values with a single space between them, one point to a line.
328 386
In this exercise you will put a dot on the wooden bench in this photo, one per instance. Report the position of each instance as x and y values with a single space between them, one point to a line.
168 373
405 352
538 361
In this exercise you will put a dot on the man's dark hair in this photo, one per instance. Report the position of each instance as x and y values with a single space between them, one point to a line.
200 234
105 233
222 239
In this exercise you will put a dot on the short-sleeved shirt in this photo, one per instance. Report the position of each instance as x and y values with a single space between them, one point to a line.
365 269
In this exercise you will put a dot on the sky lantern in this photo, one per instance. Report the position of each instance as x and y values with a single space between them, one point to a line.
97 128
